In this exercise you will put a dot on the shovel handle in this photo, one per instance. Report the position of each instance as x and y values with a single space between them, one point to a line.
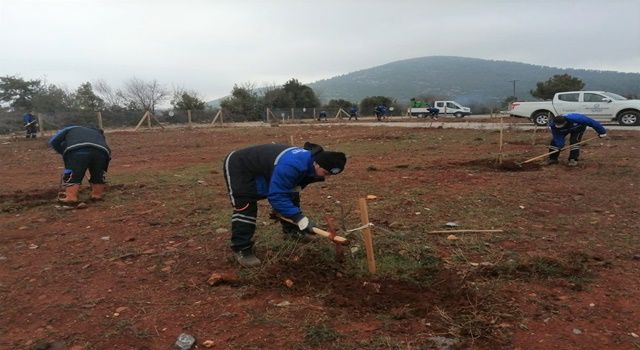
320 232
552 152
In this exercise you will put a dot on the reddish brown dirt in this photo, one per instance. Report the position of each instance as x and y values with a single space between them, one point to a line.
131 272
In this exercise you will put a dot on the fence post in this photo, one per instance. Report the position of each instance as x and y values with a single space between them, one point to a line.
292 117
100 120
189 117
41 124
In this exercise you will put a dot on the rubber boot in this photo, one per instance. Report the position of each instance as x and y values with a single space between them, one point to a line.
70 195
97 192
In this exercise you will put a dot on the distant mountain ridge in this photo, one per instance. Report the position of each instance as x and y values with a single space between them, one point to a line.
464 79
467 80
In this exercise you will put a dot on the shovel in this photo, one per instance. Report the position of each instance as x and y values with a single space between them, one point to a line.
519 164
331 236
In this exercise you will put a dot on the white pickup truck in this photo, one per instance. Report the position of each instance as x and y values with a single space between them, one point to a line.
598 105
444 107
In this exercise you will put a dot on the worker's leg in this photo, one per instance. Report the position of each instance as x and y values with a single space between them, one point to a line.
575 137
75 165
98 166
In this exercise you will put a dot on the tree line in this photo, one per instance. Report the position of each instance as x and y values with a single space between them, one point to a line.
245 99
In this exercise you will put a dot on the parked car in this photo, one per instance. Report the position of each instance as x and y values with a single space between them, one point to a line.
444 107
598 105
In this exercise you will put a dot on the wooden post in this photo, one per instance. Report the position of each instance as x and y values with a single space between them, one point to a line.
314 113
533 138
366 235
501 137
100 120
291 140
145 116
40 124
189 118
292 113
215 118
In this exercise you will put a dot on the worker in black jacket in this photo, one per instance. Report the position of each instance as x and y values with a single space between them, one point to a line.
277 173
82 148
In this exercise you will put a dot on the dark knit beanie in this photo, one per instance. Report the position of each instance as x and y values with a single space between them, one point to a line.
332 162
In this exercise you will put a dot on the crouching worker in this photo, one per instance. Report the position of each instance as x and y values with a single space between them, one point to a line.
82 148
574 125
278 173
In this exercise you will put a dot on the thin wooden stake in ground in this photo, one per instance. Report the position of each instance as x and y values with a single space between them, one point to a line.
467 231
501 137
366 235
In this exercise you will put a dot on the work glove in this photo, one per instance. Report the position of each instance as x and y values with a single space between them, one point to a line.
602 135
304 224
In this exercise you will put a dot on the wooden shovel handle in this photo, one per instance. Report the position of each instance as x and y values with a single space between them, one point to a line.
320 232
552 152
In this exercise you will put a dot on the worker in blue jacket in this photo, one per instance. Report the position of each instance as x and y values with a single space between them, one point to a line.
381 111
277 173
574 125
82 148
30 123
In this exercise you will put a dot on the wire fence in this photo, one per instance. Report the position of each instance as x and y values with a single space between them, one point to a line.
11 121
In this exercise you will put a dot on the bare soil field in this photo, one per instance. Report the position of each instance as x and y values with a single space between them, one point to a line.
132 272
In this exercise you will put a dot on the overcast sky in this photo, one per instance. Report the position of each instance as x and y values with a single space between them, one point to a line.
209 45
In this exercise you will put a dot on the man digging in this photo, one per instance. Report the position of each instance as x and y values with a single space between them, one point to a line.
574 125
82 148
278 173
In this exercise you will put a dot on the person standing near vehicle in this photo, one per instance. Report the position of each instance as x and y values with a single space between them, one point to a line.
574 125
82 148
30 123
323 114
277 173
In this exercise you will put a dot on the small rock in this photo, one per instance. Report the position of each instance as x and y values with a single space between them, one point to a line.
23 227
283 304
592 305
288 283
451 224
130 239
634 335
371 168
166 269
105 238
33 246
222 230
452 238
185 342
371 197
577 331
521 206
371 285
122 309
208 343
82 205
636 257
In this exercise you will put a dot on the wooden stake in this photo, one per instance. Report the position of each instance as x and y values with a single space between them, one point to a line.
100 120
189 118
216 117
501 137
465 231
366 234
40 124
291 140
141 120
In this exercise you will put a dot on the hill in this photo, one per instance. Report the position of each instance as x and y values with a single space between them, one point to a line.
466 80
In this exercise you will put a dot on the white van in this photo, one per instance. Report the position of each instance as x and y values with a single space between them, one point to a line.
452 107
